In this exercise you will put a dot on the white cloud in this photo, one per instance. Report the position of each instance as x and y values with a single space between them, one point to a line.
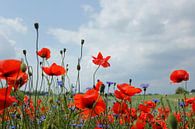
146 39
15 24
10 28
6 48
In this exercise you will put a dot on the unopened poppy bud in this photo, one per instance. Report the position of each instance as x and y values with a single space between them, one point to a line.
61 52
24 52
50 100
36 25
64 50
30 73
172 121
78 67
23 67
82 41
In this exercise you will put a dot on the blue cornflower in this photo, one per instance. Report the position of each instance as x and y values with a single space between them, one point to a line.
144 85
43 117
156 100
60 83
110 83
13 127
181 104
103 126
76 125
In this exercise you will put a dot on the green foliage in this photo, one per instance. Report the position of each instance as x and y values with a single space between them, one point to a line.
180 90
172 121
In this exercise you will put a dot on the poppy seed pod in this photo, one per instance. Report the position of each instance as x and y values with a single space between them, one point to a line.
23 67
82 41
36 25
78 67
64 50
24 52
61 52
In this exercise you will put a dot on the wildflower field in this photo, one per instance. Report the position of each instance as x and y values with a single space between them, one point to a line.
129 107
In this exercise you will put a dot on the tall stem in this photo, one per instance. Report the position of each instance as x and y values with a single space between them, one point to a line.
36 25
94 75
79 67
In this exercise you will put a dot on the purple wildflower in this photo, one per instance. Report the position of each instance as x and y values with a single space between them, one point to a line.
156 100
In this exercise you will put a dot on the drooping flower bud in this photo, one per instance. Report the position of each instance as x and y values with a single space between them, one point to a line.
82 41
24 52
64 50
36 25
78 67
61 52
23 66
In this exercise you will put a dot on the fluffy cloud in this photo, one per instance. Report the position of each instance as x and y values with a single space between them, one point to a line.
8 28
146 39
13 24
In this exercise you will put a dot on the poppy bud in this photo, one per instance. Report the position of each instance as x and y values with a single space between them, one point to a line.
82 41
172 121
61 52
50 100
36 25
23 67
78 67
30 73
24 52
64 50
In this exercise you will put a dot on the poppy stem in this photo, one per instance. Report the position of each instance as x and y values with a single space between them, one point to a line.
144 94
36 25
79 67
94 75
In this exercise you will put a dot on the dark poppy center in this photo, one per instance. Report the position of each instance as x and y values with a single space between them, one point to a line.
90 105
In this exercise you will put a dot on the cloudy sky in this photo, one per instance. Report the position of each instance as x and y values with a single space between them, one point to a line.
146 39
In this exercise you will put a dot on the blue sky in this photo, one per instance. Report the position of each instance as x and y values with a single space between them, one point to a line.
146 39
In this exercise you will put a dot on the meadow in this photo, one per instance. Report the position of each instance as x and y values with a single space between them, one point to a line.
129 107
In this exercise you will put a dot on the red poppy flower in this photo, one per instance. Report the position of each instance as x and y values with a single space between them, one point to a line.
10 68
120 108
193 107
178 117
98 85
91 103
178 76
100 60
159 124
44 53
150 104
22 78
140 124
5 99
26 98
144 108
128 90
119 95
190 100
54 70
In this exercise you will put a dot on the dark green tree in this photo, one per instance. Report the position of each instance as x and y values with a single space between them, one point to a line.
180 90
